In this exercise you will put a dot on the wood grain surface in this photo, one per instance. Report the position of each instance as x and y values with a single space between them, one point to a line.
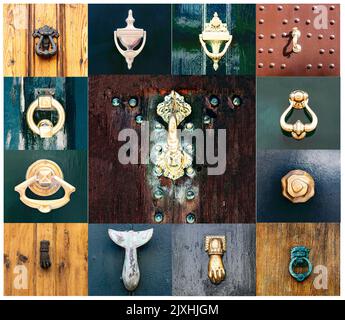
67 275
274 242
190 261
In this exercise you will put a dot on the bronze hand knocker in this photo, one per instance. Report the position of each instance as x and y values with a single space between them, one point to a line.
215 246
46 46
298 100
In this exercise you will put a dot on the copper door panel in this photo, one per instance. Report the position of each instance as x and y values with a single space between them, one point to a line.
319 40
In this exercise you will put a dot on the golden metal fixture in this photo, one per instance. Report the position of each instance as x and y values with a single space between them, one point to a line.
296 34
298 100
45 128
130 38
298 186
215 33
173 159
44 178
215 246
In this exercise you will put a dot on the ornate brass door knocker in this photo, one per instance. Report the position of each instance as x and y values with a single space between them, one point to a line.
46 47
130 38
130 241
44 254
172 160
215 246
44 178
298 186
45 128
299 258
215 33
296 34
298 100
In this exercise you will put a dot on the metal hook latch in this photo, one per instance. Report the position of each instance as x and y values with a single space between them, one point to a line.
215 33
130 241
296 34
46 46
299 100
215 246
299 258
130 38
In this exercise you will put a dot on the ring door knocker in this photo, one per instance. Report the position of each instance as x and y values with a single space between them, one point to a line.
45 128
296 34
215 246
130 241
44 178
130 38
46 47
299 258
215 33
172 159
298 100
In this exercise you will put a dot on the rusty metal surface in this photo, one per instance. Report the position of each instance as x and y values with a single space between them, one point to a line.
320 54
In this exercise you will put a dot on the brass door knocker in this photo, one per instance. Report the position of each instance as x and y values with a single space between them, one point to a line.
46 47
298 100
296 34
44 178
130 241
45 262
215 33
215 246
45 128
130 38
299 258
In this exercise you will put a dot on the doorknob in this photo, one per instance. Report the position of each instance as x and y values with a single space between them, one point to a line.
130 241
214 34
296 34
215 246
298 100
172 160
130 38
45 128
46 46
44 178
299 258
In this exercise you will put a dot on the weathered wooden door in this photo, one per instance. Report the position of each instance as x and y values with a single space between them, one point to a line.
70 21
68 253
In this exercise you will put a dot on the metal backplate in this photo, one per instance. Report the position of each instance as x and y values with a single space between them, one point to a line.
319 27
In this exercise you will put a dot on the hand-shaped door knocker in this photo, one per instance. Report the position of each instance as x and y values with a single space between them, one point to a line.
215 246
130 38
296 34
299 258
46 47
45 262
44 178
214 34
298 100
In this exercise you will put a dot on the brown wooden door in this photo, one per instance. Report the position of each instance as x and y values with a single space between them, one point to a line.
20 21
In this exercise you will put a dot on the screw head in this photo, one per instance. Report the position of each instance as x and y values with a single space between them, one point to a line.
159 217
139 119
236 101
133 102
158 193
214 101
190 218
116 102
190 195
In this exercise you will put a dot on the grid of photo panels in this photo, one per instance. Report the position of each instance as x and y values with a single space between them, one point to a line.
172 150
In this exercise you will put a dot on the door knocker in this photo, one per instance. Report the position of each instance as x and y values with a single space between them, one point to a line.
130 241
215 33
130 38
172 159
44 254
45 128
299 100
215 246
298 186
296 34
299 258
44 178
46 47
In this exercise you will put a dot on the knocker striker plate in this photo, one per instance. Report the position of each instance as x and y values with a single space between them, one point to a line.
215 246
46 47
299 258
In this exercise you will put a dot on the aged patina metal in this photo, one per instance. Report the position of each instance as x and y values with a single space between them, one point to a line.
215 246
45 262
299 258
46 47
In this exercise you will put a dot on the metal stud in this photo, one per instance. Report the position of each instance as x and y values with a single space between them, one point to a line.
139 119
207 119
214 101
116 102
190 218
159 217
158 193
236 101
190 195
133 102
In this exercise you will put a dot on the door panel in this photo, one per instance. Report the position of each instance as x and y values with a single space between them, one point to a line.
320 40
219 198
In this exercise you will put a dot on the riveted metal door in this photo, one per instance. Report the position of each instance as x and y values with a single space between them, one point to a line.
319 38
217 103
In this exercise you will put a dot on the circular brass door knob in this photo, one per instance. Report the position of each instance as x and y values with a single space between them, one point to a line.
298 186
45 128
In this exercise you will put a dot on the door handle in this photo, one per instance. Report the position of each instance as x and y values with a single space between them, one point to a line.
45 128
299 257
46 47
130 38
298 100
215 246
130 241
44 178
215 33
296 34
